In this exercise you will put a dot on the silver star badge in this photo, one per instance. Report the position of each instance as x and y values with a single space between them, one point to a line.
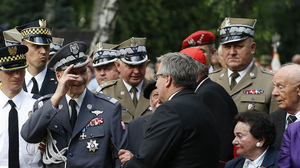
92 146
97 112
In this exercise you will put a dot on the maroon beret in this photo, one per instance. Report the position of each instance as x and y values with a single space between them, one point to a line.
198 38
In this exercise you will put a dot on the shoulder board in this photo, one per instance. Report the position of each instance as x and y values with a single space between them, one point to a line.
106 84
268 71
106 97
215 71
45 97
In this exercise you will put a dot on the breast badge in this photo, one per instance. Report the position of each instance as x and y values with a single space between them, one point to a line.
92 145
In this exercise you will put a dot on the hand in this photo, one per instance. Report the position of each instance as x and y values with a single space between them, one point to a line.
42 145
124 155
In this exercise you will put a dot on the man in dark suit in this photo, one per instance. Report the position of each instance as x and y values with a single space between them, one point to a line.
182 131
219 102
39 79
138 127
286 90
84 141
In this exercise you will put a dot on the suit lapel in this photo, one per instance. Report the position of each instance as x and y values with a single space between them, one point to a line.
63 116
124 97
49 78
143 103
270 157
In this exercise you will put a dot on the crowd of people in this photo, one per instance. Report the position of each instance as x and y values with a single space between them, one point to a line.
203 107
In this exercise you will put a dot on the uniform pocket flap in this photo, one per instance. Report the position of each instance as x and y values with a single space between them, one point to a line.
253 98
93 132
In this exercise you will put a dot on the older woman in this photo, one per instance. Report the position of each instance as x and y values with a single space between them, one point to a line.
254 136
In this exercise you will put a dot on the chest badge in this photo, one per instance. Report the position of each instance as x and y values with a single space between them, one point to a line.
97 112
92 145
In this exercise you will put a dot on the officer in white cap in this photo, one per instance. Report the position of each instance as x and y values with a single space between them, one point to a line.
83 129
249 86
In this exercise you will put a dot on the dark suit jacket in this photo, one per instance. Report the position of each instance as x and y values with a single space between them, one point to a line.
49 84
278 118
136 132
95 107
270 160
219 102
181 133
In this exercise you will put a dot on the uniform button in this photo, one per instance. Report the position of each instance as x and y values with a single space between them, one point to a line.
91 135
252 98
71 154
63 131
47 116
55 126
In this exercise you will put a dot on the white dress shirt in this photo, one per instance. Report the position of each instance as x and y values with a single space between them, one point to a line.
39 79
29 155
241 73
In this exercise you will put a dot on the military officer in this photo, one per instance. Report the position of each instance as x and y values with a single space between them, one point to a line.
249 86
132 64
37 36
82 128
104 58
14 107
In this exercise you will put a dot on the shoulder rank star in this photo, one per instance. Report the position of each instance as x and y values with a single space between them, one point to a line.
97 112
92 146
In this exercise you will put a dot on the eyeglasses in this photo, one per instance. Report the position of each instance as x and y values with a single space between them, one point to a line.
155 77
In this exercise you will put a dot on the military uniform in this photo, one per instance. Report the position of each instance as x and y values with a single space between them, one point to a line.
253 91
88 145
118 90
87 137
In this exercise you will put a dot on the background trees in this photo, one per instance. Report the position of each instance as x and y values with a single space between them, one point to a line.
165 23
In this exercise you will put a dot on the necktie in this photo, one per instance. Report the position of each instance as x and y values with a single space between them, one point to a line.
74 112
13 134
35 89
134 90
291 119
234 75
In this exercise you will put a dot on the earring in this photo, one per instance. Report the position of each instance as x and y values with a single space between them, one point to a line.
258 144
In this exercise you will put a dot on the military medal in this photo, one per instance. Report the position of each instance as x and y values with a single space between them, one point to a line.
97 112
255 91
82 136
251 106
92 145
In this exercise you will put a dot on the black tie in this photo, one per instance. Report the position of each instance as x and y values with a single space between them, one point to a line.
35 89
291 119
13 134
74 112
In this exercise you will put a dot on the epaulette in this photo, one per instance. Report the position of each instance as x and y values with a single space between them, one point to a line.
106 84
268 71
106 97
215 71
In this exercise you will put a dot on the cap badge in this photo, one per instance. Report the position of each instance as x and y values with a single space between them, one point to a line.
42 23
12 50
227 22
92 146
133 42
191 41
74 48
